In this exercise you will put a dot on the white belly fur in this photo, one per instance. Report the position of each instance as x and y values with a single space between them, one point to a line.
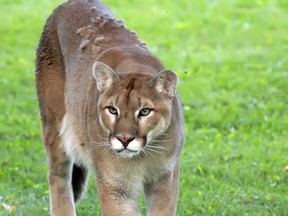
71 137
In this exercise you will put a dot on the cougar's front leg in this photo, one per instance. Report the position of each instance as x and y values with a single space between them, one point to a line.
59 173
162 196
117 200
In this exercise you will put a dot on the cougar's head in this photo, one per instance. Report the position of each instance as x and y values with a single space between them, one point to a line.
134 109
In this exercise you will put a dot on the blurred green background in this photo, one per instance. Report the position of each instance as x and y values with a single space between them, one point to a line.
231 57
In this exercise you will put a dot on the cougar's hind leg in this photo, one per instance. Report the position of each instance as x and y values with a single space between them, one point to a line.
79 181
59 165
59 173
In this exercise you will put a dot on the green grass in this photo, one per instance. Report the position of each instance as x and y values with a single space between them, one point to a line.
231 57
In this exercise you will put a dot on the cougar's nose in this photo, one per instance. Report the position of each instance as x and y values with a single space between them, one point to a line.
125 140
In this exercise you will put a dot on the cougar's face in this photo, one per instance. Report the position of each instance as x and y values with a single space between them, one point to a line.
134 108
133 114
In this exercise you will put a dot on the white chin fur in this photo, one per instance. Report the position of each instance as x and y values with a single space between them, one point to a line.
127 154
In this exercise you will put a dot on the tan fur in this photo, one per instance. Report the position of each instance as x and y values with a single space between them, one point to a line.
107 103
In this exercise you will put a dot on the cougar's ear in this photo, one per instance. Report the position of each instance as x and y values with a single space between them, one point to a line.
104 76
165 82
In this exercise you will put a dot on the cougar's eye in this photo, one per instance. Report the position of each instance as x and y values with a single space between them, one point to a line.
144 112
112 110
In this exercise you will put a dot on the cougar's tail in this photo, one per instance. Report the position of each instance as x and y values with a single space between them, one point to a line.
79 181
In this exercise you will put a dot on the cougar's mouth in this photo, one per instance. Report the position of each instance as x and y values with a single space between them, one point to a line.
126 153
127 150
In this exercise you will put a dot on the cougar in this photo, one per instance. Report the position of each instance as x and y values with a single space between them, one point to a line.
107 104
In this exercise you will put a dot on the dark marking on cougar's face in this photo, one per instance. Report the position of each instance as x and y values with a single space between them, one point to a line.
129 88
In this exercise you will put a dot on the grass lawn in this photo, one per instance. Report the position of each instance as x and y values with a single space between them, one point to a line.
232 60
